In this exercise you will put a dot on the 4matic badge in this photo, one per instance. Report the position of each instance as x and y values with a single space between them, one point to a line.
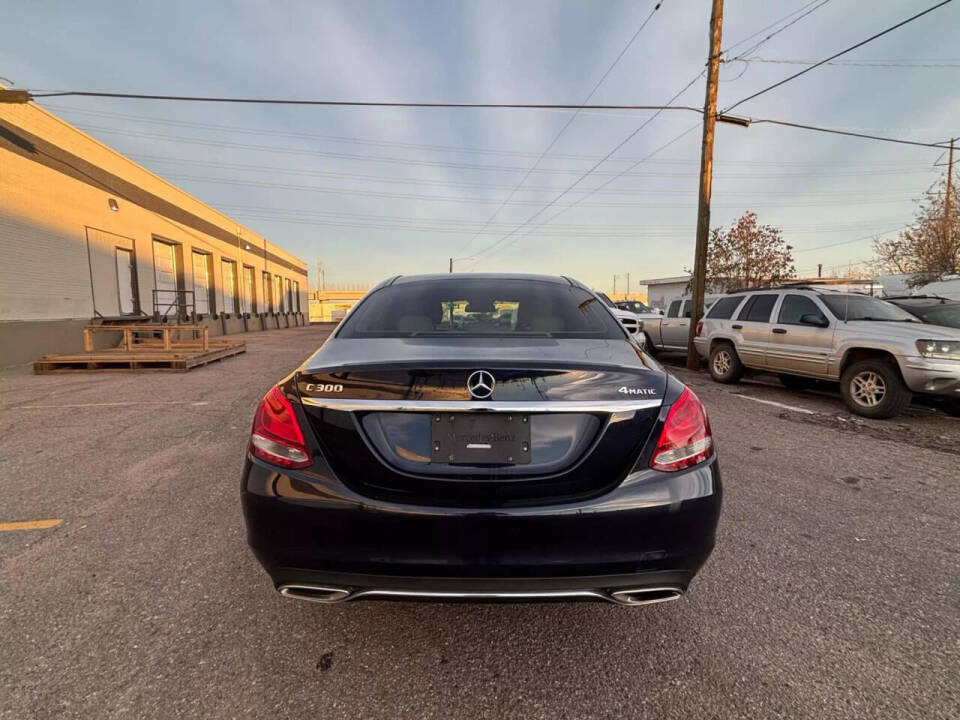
636 391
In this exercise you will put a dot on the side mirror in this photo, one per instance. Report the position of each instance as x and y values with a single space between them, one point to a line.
815 320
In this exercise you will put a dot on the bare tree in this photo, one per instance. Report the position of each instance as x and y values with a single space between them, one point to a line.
929 250
747 255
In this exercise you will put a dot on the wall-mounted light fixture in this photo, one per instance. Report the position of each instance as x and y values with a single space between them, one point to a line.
113 204
247 246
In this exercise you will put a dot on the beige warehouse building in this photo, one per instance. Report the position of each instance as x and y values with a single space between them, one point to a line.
86 235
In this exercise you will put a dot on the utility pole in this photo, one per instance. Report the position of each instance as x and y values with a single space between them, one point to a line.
627 297
946 200
614 284
706 180
819 270
451 265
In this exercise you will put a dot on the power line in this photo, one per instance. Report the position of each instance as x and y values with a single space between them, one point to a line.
413 146
353 103
275 149
529 188
563 129
854 240
831 131
780 30
485 201
767 27
877 63
588 172
836 55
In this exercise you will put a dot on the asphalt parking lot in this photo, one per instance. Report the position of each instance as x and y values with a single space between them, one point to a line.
833 591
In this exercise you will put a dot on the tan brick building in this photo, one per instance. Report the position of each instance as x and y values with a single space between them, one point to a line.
87 234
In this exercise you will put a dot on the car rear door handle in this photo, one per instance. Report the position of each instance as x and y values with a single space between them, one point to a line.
780 331
737 327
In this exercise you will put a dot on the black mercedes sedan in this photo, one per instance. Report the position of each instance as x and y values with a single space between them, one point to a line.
481 437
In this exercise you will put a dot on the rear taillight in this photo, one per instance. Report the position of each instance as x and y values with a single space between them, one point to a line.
276 436
699 327
686 440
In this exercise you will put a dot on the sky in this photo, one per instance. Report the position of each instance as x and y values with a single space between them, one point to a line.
373 192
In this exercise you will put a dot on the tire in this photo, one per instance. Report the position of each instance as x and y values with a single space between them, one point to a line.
725 366
952 408
874 389
649 346
797 382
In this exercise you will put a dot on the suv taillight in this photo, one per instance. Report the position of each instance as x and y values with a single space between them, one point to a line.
686 440
276 436
699 327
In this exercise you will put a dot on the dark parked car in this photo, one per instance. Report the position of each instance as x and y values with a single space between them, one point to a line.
931 309
416 455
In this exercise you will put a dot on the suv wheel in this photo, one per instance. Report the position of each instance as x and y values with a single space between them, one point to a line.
873 389
649 346
725 365
952 408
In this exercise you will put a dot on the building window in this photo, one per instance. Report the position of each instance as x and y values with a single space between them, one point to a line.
203 299
250 291
289 296
267 292
296 295
231 299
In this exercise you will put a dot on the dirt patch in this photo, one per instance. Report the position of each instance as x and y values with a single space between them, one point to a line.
931 438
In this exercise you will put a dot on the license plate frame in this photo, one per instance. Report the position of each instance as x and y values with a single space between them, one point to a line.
480 438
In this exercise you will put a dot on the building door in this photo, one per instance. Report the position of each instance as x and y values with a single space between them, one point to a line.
201 283
126 281
166 277
113 275
250 296
229 286
278 292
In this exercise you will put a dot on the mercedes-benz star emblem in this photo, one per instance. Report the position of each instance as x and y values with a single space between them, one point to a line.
480 384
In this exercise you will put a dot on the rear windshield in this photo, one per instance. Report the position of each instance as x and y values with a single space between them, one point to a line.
481 307
864 307
945 314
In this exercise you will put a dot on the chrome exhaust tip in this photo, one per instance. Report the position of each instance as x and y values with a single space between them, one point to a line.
314 593
647 595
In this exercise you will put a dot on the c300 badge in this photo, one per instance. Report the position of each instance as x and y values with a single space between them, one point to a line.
319 387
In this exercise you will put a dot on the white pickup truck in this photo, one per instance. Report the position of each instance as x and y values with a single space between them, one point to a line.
670 332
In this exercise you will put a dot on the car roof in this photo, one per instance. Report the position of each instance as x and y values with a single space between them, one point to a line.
921 300
558 279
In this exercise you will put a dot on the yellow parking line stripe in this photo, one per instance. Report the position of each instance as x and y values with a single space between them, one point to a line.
30 525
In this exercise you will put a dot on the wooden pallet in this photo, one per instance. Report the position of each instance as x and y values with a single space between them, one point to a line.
132 335
144 358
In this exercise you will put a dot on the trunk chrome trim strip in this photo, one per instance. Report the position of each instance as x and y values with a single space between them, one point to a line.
540 406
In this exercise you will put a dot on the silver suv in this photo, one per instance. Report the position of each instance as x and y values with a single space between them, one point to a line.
880 354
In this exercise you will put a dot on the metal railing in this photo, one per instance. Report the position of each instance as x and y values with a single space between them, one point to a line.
179 303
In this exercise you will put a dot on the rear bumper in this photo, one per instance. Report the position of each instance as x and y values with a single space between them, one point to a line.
654 530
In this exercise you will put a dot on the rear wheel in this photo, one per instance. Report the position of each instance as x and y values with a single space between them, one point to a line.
649 346
874 389
952 408
725 365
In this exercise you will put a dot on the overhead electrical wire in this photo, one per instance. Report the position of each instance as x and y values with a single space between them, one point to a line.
767 27
950 63
817 5
582 177
566 125
838 54
354 103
